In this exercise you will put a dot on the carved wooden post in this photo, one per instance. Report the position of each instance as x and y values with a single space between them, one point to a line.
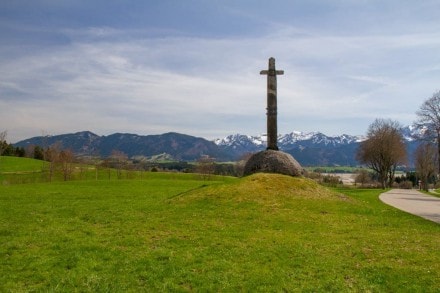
272 131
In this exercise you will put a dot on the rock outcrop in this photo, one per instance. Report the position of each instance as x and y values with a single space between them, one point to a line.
271 161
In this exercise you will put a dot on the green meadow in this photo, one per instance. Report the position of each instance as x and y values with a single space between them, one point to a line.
16 165
14 170
179 233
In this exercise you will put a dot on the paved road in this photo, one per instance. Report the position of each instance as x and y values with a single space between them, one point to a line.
413 202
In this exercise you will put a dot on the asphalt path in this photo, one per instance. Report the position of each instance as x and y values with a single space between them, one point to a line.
413 202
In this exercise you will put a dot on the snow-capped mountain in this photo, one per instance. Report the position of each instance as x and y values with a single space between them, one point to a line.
309 148
286 140
236 141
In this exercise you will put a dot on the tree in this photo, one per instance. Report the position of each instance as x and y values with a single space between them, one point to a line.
20 152
106 164
66 162
205 166
383 150
52 155
3 143
38 153
425 162
428 122
362 177
119 160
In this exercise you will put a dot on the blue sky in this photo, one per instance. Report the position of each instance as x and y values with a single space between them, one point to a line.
150 67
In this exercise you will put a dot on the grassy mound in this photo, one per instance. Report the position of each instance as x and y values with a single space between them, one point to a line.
264 188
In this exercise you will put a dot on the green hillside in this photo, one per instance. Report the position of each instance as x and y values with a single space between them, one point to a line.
15 164
175 233
20 170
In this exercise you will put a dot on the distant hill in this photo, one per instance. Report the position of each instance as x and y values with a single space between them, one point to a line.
178 146
309 149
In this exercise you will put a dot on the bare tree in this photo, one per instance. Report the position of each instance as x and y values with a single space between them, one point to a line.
66 162
383 150
106 164
44 144
362 177
205 166
52 155
428 121
119 160
30 151
425 161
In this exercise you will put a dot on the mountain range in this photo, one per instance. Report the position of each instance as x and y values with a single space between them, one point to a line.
309 149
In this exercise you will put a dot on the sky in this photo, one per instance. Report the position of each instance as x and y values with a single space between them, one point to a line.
156 66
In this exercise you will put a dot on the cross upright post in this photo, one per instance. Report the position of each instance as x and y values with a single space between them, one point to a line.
272 131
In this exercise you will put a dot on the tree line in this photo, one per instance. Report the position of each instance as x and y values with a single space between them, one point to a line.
7 149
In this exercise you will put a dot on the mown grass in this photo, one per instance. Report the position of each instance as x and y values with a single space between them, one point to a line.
259 233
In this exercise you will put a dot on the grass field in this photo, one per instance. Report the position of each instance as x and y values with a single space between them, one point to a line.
14 164
14 170
173 232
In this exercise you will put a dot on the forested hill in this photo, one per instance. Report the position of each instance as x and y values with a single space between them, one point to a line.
178 146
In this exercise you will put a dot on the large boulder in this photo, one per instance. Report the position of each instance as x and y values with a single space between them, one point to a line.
271 161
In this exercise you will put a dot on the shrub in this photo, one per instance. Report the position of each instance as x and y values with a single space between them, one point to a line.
406 184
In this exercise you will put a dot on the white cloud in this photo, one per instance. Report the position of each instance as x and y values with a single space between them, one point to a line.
105 83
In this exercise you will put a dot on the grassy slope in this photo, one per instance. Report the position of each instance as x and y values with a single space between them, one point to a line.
14 170
15 164
263 232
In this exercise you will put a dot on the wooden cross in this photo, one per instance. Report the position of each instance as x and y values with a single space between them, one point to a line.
272 132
